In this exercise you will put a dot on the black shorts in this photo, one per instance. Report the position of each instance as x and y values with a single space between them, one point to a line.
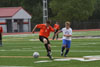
42 37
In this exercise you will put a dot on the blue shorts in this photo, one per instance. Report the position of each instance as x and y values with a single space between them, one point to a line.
67 43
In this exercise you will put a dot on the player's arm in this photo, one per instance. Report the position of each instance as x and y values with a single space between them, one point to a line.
58 32
34 29
37 26
69 35
52 29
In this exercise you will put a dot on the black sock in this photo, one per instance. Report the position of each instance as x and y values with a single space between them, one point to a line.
48 49
62 50
46 46
57 36
53 37
66 52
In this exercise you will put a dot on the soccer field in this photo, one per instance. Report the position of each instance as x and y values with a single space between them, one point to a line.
17 52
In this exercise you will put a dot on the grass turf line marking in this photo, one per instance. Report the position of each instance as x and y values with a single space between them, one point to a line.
16 66
2 50
25 57
89 57
43 61
84 58
31 57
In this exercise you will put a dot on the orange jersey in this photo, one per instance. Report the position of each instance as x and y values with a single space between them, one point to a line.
1 30
44 30
56 26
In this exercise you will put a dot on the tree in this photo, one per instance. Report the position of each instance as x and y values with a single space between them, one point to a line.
96 13
34 7
10 3
72 9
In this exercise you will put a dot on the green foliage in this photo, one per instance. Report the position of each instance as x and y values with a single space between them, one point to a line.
96 13
34 7
72 9
9 3
60 10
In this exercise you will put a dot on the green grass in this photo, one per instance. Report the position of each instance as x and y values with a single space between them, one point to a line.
81 33
22 46
35 36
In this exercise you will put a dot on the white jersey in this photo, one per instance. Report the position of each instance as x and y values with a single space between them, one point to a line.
67 32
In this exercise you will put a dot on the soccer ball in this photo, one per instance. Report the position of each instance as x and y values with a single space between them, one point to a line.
36 55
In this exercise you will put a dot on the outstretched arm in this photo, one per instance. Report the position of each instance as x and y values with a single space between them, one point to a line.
34 29
67 35
58 32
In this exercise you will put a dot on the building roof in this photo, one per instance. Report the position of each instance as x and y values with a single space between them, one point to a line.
9 11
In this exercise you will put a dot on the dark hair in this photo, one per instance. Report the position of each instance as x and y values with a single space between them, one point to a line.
48 22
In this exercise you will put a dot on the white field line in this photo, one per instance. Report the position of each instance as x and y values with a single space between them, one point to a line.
43 61
53 46
20 50
85 46
84 59
91 43
26 47
74 45
20 35
19 43
16 66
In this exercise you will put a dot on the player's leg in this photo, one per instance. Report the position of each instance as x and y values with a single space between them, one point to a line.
54 35
49 53
42 39
66 52
57 34
0 39
67 48
48 46
62 50
63 46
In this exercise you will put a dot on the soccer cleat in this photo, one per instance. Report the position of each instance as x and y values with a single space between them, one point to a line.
50 57
61 53
65 55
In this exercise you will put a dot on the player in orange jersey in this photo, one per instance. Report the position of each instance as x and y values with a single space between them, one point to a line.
1 30
45 30
56 27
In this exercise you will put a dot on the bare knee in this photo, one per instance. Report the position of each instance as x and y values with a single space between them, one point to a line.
45 41
64 46
67 48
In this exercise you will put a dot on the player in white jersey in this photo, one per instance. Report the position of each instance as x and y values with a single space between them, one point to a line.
66 40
